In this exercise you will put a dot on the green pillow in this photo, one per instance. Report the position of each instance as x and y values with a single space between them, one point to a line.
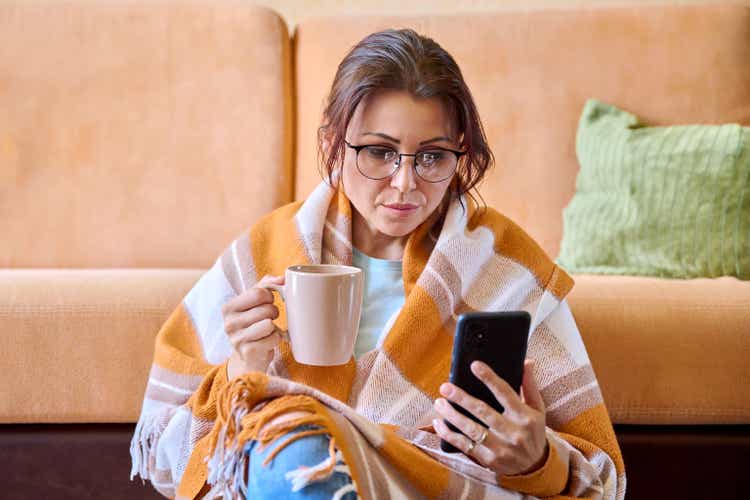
658 201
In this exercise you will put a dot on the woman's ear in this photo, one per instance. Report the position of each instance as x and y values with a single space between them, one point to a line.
326 136
324 152
325 145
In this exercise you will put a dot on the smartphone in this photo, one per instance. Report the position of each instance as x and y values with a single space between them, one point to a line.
498 339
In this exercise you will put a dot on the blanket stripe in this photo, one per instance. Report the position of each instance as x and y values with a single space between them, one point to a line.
194 422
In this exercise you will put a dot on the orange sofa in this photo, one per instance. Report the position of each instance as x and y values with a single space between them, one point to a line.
138 138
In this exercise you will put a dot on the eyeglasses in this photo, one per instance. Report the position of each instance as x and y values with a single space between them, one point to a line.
380 162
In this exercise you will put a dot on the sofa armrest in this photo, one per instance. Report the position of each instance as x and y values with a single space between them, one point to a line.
668 351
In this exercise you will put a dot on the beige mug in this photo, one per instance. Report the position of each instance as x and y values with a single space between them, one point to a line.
323 306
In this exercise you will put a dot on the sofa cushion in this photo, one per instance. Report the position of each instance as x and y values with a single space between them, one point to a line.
77 345
658 201
668 351
139 134
531 69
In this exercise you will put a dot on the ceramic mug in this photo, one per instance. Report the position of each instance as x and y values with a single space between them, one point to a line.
323 307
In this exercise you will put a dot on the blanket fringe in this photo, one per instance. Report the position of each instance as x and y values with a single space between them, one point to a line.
303 476
237 424
147 432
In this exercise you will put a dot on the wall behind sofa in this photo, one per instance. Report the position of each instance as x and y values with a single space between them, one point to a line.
296 10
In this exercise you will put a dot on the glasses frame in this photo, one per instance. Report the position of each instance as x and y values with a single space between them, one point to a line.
397 162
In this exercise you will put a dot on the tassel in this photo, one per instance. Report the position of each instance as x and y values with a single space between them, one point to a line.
303 476
236 424
139 451
147 432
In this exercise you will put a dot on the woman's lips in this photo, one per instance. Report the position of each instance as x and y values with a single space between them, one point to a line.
401 209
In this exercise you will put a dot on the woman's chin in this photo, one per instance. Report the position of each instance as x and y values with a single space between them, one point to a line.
398 228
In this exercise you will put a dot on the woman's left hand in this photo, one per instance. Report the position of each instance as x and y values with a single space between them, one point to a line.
515 442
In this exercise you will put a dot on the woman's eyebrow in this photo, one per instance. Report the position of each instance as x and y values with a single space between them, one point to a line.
383 136
435 139
393 139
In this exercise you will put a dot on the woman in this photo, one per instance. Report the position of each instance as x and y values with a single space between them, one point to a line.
227 409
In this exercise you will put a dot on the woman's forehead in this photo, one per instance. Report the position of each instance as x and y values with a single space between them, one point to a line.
402 116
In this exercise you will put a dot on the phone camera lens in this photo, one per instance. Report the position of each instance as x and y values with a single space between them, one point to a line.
475 337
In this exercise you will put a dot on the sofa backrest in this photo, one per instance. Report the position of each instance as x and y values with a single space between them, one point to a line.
149 134
139 134
531 70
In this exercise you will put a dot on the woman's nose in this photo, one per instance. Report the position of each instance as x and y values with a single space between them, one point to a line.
404 179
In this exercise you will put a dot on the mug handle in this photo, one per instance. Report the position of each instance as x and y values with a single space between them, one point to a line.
279 288
276 288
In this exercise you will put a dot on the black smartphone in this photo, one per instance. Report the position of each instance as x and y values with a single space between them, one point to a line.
498 339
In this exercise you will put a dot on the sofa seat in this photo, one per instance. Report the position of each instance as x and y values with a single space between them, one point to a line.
668 351
83 342
77 344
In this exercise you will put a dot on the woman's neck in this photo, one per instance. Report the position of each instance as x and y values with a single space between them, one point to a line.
368 240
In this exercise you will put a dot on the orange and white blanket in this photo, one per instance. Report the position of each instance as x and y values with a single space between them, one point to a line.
194 422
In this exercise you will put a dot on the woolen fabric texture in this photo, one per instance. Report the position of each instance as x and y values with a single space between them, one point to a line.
378 409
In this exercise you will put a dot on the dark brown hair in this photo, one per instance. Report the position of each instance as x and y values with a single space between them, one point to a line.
403 60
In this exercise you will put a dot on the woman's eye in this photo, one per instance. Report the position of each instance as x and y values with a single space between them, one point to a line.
378 153
428 158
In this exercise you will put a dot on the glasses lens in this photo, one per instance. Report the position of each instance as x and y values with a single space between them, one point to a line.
436 164
376 162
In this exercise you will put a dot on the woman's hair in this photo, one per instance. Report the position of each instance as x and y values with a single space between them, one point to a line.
403 60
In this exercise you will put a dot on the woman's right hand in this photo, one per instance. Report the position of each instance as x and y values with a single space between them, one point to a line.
248 324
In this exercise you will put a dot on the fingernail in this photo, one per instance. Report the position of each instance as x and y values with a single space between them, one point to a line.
446 390
477 367
435 423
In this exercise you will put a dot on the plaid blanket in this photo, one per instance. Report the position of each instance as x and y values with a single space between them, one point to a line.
378 409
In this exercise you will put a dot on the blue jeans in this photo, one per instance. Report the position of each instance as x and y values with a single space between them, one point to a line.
269 481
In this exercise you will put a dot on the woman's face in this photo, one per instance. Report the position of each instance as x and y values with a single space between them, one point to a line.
396 206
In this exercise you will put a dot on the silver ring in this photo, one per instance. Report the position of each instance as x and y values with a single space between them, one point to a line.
482 437
471 446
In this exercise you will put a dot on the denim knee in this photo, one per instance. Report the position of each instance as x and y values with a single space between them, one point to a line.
289 469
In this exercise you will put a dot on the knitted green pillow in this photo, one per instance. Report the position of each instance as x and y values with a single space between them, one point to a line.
658 201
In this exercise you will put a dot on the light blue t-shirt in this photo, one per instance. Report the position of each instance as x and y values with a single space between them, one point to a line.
383 296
